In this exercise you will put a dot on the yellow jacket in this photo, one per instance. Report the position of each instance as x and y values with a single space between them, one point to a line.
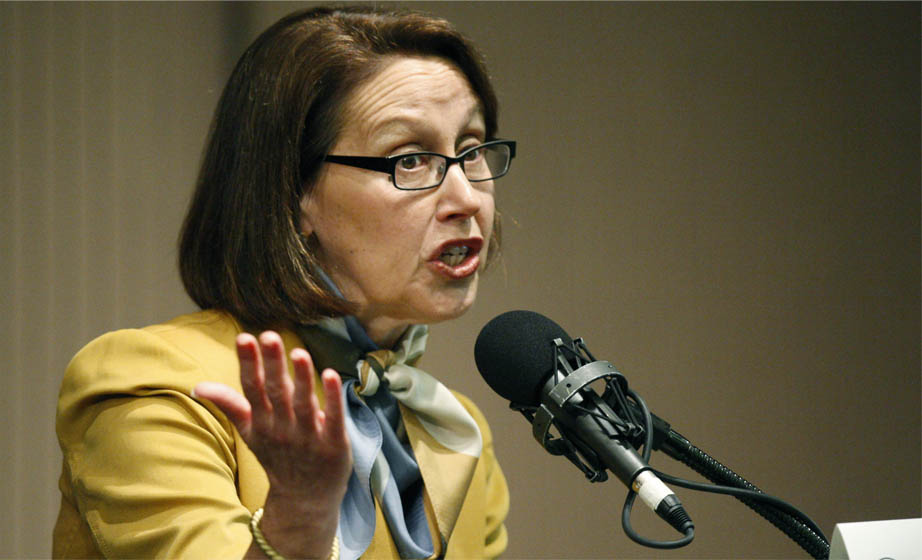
151 472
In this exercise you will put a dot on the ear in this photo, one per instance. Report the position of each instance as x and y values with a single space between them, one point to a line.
304 223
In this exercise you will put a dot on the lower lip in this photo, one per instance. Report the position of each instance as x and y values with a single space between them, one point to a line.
467 267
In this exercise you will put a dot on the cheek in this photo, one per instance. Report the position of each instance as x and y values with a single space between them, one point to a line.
341 238
486 216
348 220
378 241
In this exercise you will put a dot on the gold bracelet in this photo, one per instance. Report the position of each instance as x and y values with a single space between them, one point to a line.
270 552
334 549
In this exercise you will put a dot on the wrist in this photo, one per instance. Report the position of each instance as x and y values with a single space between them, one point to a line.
271 552
297 512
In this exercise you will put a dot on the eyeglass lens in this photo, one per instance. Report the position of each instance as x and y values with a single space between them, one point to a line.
419 171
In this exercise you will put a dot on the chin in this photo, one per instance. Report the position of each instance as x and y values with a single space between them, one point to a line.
453 307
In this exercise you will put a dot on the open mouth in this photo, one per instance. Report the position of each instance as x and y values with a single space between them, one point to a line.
454 255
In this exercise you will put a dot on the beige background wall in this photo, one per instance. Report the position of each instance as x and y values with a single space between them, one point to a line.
723 199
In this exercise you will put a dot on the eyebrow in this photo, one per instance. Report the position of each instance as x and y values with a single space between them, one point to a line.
477 108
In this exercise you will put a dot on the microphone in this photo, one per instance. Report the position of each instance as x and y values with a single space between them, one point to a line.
530 360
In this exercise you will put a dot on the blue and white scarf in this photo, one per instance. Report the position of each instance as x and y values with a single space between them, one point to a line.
389 404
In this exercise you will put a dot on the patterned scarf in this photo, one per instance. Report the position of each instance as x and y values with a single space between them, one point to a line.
389 404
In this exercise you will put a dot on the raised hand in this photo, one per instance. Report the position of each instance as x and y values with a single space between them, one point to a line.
303 448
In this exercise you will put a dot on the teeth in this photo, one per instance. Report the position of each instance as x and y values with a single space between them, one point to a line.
454 255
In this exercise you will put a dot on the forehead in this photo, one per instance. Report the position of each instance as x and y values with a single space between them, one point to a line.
408 89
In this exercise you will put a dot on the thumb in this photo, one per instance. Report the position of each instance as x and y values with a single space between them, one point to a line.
234 405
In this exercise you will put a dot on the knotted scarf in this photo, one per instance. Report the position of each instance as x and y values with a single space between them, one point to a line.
408 433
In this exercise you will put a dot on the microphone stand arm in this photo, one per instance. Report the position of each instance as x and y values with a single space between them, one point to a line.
679 448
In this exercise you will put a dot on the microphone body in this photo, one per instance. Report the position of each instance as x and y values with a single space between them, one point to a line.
617 455
590 422
531 361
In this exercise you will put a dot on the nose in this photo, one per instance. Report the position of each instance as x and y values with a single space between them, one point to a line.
458 199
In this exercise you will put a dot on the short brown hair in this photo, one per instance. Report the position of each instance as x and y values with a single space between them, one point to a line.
280 113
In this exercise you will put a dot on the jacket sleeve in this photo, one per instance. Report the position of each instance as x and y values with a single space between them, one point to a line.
150 470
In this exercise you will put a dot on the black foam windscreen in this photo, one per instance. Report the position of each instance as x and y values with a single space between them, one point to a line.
515 354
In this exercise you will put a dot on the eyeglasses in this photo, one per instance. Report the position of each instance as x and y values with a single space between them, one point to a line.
418 171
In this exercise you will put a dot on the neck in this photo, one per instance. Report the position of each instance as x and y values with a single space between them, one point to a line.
383 331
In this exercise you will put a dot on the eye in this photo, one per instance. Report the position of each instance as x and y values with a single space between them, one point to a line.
473 155
413 162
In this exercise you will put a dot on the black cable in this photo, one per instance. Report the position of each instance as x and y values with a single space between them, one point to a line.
773 501
783 515
629 531
798 527
631 495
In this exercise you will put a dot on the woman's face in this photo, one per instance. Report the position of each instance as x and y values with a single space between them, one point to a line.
386 249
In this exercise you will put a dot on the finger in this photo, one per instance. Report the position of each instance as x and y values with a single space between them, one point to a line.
230 402
305 400
279 387
252 380
335 408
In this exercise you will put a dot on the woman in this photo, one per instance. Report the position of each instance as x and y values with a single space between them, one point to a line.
325 220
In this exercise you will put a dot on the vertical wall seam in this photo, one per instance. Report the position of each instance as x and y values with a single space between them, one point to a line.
45 382
115 171
18 362
83 284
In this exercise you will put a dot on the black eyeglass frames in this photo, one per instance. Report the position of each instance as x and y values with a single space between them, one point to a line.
416 171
